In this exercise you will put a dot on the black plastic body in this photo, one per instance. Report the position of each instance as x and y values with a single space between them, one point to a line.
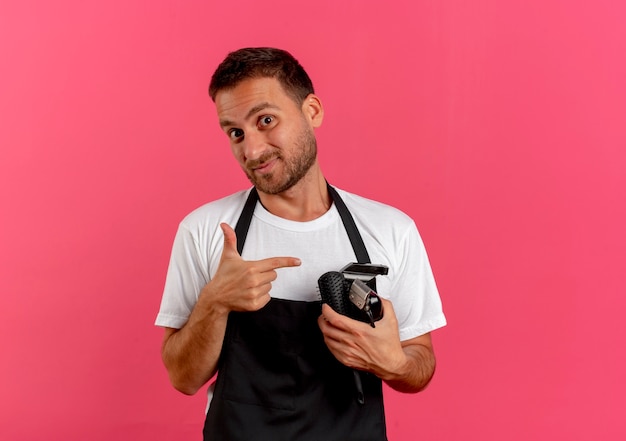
335 291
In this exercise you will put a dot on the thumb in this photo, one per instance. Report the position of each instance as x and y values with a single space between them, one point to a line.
230 242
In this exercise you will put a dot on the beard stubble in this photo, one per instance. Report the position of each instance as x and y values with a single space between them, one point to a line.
295 167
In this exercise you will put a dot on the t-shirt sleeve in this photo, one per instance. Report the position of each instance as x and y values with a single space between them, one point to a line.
414 293
186 276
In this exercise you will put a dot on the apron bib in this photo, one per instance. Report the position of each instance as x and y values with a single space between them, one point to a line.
278 381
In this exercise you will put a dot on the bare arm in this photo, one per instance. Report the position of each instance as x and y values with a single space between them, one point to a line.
405 366
418 369
191 353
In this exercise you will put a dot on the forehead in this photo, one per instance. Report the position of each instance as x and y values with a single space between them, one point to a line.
238 103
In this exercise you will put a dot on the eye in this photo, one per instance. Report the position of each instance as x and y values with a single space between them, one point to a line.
235 134
266 120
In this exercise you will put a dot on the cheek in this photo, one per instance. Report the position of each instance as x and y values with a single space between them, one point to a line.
282 138
237 152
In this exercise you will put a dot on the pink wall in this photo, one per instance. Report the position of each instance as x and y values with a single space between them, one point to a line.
499 126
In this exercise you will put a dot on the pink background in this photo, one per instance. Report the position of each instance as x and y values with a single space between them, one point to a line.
499 126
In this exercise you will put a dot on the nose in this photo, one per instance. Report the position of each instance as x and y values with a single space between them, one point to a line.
253 145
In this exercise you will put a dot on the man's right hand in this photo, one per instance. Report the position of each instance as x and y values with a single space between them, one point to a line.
241 285
191 353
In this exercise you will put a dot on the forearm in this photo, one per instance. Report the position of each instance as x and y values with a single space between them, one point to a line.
414 374
191 353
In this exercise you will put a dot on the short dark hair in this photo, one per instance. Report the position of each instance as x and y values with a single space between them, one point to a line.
262 62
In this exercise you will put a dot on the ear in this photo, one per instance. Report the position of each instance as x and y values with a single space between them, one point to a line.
313 110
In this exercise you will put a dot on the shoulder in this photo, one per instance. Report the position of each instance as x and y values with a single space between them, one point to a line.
370 212
226 209
389 233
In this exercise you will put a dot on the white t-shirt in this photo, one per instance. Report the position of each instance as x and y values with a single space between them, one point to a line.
390 237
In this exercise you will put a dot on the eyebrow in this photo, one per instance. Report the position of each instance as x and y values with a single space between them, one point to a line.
251 112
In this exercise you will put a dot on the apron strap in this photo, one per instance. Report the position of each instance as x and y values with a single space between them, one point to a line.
243 224
348 222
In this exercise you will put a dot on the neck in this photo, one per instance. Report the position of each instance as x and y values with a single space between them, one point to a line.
305 201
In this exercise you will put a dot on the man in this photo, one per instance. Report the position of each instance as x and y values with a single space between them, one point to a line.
245 305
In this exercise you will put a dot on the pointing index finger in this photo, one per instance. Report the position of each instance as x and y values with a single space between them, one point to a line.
272 263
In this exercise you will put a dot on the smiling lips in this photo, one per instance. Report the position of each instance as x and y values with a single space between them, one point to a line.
263 165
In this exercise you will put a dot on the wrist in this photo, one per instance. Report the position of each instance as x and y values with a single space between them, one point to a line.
210 302
396 369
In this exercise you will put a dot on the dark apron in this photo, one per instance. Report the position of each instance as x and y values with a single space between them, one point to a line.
278 381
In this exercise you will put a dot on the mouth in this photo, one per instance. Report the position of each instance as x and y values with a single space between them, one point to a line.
265 167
